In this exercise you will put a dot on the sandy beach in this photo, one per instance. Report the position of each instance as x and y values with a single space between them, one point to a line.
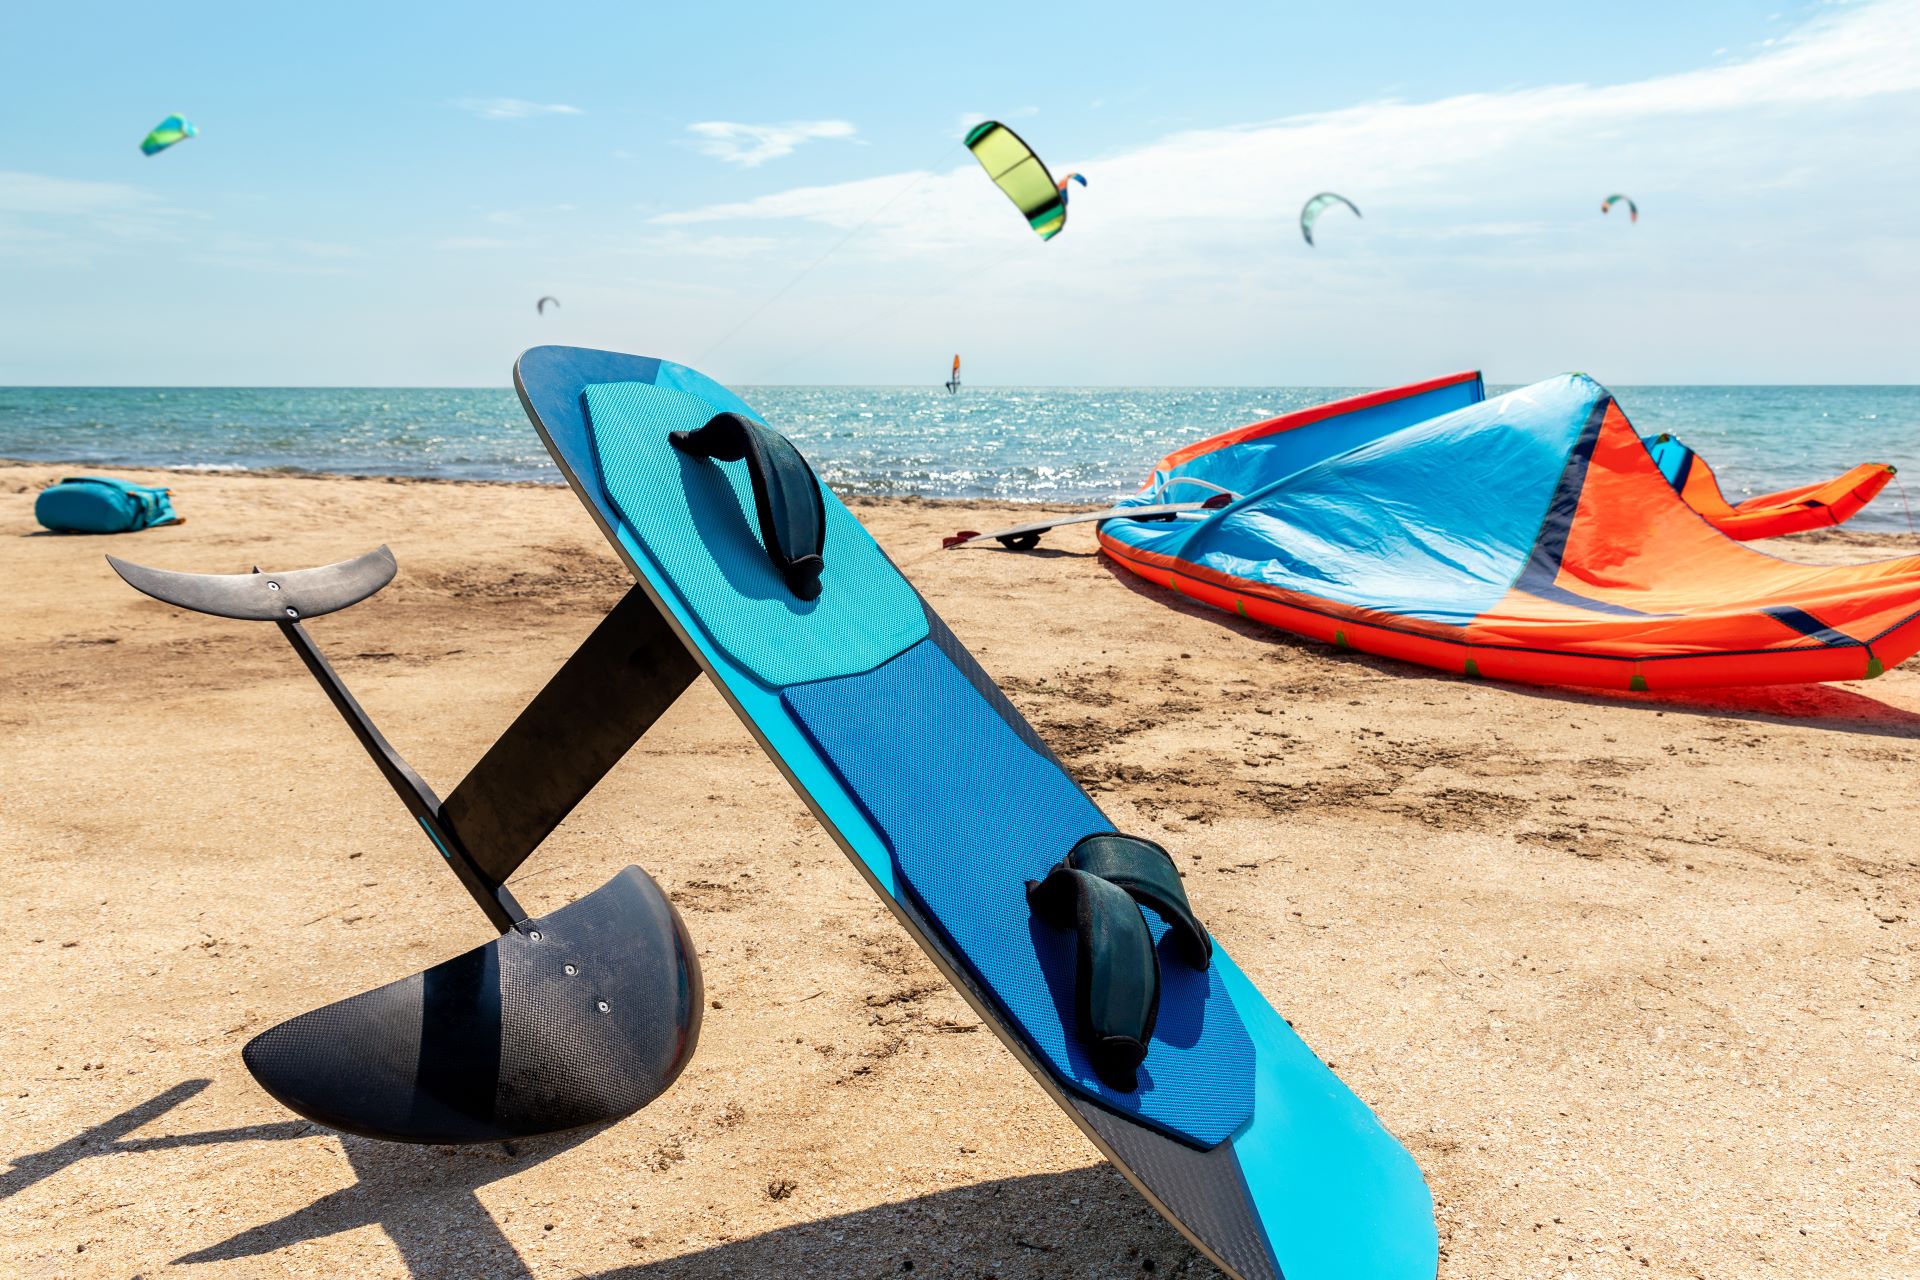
1632 977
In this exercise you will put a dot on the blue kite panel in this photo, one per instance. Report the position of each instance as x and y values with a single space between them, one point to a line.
1245 467
1671 457
1435 520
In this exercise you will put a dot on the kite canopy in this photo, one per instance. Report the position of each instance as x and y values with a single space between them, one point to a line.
1014 168
169 131
1633 210
1809 506
1310 211
541 306
1070 178
1530 537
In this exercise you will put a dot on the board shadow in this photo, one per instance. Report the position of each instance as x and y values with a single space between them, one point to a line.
1079 1222
424 1200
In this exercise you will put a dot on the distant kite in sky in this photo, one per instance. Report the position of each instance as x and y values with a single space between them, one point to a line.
541 306
1018 172
1310 211
169 131
1633 210
1072 177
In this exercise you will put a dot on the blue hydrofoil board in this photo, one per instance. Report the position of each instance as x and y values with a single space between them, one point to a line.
949 804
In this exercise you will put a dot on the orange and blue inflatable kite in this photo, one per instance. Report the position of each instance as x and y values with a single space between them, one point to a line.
1529 537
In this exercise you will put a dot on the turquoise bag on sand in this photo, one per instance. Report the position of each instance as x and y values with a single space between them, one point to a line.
99 504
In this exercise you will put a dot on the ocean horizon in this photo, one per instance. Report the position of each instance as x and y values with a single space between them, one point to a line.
1017 444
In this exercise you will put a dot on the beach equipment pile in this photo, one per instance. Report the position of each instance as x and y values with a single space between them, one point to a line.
1073 941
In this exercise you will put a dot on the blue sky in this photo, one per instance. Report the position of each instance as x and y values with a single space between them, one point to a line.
380 193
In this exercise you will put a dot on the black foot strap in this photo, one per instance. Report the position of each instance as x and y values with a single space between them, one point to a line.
786 496
1097 891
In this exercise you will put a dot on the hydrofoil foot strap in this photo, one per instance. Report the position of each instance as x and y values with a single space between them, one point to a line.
1097 891
786 495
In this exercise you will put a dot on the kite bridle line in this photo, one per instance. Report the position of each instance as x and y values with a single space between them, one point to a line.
920 176
918 299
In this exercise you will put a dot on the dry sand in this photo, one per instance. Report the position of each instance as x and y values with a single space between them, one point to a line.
1632 977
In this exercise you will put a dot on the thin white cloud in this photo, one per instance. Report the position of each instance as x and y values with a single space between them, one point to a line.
472 244
65 221
680 244
751 145
1473 230
514 108
37 193
324 249
519 217
271 257
843 204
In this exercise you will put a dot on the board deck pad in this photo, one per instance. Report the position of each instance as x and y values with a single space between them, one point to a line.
697 517
1239 1135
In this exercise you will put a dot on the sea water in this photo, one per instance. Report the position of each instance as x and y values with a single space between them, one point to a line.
1023 444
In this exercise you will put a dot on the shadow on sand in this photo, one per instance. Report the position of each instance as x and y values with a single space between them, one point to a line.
1815 706
1032 553
1082 1221
109 1138
423 1198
